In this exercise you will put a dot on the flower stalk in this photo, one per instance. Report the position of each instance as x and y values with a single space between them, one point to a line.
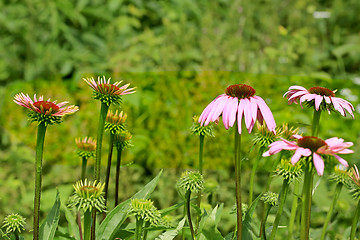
117 176
188 213
283 195
355 222
38 176
306 205
87 225
83 168
108 168
331 210
238 180
294 208
138 229
315 123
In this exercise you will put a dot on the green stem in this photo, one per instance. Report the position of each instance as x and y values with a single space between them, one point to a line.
16 236
87 225
83 168
138 229
238 181
315 123
293 209
329 214
283 195
187 207
201 150
117 176
355 222
252 176
108 168
38 173
78 220
306 205
146 230
272 171
103 112
267 209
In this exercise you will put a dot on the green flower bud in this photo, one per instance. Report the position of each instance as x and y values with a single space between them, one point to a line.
14 223
145 209
288 171
191 180
340 176
201 130
115 122
263 136
270 197
86 147
123 139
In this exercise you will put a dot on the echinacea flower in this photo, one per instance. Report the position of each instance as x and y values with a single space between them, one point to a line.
239 100
86 147
308 145
115 122
44 111
107 92
320 97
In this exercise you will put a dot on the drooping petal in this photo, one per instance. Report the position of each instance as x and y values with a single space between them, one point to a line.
232 113
341 160
240 112
226 112
318 163
216 110
318 100
247 113
266 113
299 153
337 106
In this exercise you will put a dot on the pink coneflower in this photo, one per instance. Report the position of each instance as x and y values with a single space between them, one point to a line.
320 97
45 107
239 100
307 145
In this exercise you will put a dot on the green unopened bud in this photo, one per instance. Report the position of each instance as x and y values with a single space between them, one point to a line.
145 209
87 196
354 185
340 175
286 132
263 136
123 139
199 130
14 223
86 147
288 171
270 198
191 180
115 122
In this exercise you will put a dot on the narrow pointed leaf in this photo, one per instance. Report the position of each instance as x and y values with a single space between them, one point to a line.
48 228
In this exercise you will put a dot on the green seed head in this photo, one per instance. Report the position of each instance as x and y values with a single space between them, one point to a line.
264 137
288 171
270 198
14 223
145 209
191 180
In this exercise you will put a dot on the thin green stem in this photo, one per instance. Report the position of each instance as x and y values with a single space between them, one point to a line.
201 150
252 176
138 229
315 123
267 209
146 230
117 176
238 181
188 213
306 205
17 237
83 168
331 210
87 225
294 208
355 222
103 112
38 176
283 195
78 220
108 168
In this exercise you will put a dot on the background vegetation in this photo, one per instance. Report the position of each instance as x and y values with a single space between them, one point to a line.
180 54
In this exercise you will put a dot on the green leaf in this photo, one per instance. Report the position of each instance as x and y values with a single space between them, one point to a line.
117 216
48 228
72 225
210 230
246 231
171 234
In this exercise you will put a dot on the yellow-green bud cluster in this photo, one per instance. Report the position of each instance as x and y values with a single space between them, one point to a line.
354 185
340 176
191 181
199 130
288 171
115 122
263 137
88 196
145 210
270 198
86 147
123 139
14 223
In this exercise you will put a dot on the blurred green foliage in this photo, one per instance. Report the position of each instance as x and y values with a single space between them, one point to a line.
180 54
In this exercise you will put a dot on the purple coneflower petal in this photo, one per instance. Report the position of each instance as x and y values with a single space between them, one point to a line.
341 160
318 163
318 100
266 113
239 114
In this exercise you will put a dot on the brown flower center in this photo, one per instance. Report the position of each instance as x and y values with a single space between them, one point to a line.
312 143
46 107
240 91
107 88
322 91
89 189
